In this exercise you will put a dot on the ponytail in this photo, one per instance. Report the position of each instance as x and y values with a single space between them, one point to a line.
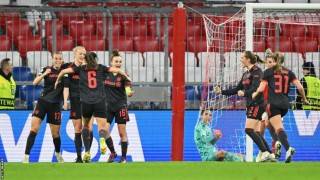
91 60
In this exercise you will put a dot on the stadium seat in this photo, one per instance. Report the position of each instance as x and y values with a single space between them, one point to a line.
68 16
313 31
285 44
303 45
38 59
116 29
235 28
135 27
93 17
18 28
145 44
30 93
122 43
264 28
152 28
5 44
197 44
8 16
48 27
80 28
13 55
259 45
29 44
193 29
93 43
22 73
292 30
64 43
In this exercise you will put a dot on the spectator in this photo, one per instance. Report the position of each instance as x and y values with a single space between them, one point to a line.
311 85
7 85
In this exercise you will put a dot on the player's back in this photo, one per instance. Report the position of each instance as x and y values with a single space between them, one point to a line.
278 86
91 83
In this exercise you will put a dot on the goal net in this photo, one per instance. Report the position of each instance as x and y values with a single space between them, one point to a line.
292 29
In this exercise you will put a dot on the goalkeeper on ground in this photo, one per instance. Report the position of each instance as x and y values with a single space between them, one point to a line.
205 140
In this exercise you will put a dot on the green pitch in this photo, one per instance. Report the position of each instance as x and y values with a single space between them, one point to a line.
164 171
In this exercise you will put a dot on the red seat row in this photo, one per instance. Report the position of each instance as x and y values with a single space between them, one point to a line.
149 43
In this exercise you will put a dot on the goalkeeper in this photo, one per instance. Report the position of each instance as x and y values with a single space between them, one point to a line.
206 139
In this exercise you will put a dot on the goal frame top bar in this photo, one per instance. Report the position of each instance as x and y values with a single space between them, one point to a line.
282 6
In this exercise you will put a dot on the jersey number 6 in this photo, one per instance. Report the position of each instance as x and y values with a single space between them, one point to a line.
92 81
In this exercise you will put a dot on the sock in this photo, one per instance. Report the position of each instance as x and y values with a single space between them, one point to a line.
273 133
86 139
283 138
110 144
124 148
256 139
30 142
57 144
264 142
91 138
78 144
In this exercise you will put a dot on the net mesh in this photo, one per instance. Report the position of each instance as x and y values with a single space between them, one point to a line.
295 33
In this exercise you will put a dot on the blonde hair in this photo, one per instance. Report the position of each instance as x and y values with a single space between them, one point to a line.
77 48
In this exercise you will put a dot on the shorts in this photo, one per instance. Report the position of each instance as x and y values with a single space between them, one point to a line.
273 111
96 110
121 115
52 110
75 111
255 112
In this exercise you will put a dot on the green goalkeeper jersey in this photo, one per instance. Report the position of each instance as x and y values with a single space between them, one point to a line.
204 139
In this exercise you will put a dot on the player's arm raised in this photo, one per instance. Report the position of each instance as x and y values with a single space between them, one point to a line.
118 70
61 74
39 78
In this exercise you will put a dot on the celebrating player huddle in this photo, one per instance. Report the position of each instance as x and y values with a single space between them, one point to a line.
274 82
91 87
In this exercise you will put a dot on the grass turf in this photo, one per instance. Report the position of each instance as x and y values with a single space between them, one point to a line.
164 171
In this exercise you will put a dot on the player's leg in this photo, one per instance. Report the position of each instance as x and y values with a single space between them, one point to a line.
276 145
229 156
110 116
37 117
54 120
249 129
100 115
91 130
276 122
75 116
260 129
87 112
122 117
124 142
